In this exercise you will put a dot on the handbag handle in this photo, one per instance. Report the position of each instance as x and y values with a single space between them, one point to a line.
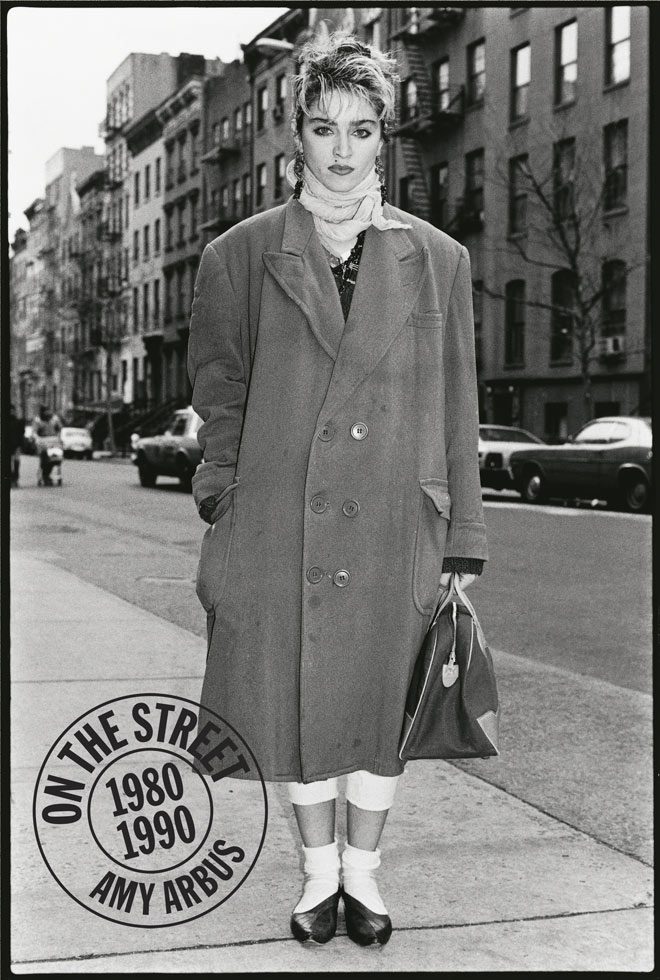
456 589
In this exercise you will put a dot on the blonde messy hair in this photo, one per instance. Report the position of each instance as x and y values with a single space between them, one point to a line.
342 64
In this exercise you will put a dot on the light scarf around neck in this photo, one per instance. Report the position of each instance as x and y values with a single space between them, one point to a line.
339 216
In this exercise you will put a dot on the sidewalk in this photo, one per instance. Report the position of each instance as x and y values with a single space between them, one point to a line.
474 878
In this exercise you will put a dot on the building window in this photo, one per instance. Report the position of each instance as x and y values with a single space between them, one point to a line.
136 246
262 107
617 63
478 312
613 303
441 79
514 328
182 223
615 158
194 216
247 116
168 297
409 106
181 173
237 197
169 176
127 206
145 243
520 79
247 190
224 199
194 150
224 129
147 182
238 121
145 307
157 177
476 73
156 303
566 63
439 194
279 176
280 89
169 231
136 310
564 179
561 319
216 134
180 291
518 194
157 236
261 184
474 182
136 190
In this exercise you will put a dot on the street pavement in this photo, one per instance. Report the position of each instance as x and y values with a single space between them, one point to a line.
538 860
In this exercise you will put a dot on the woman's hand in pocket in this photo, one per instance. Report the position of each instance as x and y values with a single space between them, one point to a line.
464 579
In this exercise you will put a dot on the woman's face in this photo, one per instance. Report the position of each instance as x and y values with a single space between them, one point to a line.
341 141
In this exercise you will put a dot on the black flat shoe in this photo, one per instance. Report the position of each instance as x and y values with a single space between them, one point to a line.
319 924
363 926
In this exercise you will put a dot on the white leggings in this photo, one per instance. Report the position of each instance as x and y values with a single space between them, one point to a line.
363 789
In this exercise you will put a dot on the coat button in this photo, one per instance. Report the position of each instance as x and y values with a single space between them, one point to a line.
327 432
359 430
318 503
350 508
315 574
341 578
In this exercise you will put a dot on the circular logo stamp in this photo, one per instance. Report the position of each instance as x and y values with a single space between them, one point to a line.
136 815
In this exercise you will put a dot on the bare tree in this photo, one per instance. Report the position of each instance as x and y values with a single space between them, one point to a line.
562 204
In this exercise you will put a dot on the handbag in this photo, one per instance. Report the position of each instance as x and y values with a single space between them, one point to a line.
452 707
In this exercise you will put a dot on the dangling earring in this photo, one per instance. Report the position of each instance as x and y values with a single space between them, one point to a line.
381 176
298 169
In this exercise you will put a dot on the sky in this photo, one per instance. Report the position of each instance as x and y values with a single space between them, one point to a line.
58 61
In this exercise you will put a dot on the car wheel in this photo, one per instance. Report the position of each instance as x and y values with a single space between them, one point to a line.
147 474
533 486
634 493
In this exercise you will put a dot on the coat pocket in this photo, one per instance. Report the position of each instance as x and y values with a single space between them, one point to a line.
432 527
214 556
427 320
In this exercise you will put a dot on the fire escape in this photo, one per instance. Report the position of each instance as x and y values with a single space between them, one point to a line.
427 111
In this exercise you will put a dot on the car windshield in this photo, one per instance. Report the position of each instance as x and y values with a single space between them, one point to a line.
178 425
491 434
606 431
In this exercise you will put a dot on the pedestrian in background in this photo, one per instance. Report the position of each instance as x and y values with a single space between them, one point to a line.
16 433
332 360
46 425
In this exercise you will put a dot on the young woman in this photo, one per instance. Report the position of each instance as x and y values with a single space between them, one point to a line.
332 360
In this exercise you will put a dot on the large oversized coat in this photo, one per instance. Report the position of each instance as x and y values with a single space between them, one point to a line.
349 457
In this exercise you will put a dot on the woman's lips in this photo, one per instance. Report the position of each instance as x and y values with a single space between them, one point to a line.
337 169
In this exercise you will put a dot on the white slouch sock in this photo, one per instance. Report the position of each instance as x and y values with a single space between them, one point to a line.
321 875
359 879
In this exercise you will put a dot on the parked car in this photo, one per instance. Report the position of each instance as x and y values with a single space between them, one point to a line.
609 458
76 442
174 452
496 443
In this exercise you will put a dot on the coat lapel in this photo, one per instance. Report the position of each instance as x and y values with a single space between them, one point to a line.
392 270
303 271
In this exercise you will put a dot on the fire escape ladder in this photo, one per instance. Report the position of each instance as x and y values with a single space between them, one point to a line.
415 68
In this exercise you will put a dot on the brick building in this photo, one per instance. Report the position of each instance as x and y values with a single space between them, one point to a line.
516 132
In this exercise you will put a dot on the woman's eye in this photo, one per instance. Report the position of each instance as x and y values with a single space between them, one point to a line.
322 131
363 133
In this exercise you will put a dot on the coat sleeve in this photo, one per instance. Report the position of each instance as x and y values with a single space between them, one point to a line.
466 537
217 376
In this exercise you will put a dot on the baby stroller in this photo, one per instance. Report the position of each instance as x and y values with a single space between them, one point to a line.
50 462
